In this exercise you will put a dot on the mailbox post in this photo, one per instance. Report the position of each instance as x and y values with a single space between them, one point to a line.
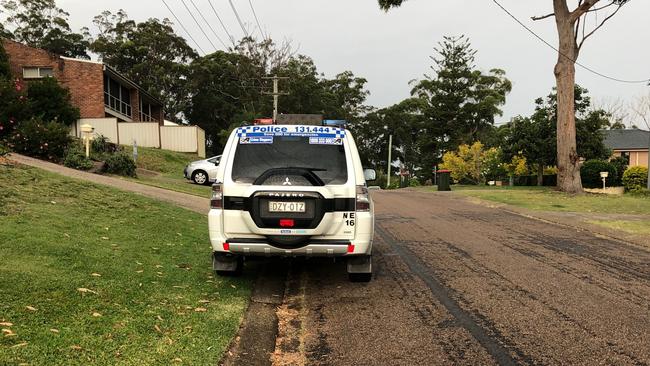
603 176
87 131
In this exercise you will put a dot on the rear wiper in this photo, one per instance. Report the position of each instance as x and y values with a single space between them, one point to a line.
306 168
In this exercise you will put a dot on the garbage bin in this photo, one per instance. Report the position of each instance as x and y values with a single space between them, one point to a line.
444 180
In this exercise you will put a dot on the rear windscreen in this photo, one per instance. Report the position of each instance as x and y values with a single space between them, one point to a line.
254 158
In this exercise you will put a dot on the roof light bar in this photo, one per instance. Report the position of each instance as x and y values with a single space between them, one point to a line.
341 123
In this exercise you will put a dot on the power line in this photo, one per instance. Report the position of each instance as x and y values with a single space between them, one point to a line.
241 24
232 39
645 81
198 24
208 23
256 19
182 26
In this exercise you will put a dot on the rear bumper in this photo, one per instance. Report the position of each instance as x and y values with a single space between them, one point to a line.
314 248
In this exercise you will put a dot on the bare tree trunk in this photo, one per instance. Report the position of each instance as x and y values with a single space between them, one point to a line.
568 161
540 174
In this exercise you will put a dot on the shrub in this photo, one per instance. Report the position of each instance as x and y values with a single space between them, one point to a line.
51 102
76 158
101 144
635 178
590 173
4 149
47 140
414 182
620 163
120 163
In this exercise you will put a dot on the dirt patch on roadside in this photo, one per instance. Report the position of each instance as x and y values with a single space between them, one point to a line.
290 342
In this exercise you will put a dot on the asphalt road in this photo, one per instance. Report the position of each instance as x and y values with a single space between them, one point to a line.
460 283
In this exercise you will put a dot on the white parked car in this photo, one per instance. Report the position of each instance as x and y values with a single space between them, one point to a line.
291 190
202 171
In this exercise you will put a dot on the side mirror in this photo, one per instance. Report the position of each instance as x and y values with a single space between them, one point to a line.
369 174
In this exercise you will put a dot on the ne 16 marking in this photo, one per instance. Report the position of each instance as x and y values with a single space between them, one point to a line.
349 218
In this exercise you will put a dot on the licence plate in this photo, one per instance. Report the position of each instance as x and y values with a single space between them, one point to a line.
275 206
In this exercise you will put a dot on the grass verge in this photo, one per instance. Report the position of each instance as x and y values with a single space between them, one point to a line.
546 199
169 165
93 275
641 227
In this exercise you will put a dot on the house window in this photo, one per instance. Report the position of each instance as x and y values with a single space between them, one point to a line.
117 97
626 155
146 111
37 72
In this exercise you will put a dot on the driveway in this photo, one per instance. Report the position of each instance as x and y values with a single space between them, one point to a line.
461 283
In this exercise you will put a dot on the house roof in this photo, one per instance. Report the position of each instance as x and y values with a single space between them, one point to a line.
632 139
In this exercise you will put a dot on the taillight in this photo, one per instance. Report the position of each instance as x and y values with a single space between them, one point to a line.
216 201
363 200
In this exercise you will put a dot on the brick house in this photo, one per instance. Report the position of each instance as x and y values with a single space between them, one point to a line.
97 89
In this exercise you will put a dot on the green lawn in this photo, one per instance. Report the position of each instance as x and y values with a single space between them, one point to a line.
170 165
546 199
93 275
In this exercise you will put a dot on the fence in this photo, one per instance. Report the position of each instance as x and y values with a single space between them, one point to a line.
189 139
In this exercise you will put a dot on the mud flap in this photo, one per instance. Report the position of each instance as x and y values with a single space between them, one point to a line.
226 263
360 264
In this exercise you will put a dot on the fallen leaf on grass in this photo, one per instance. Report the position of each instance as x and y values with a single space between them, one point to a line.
95 274
157 328
19 345
139 271
53 202
85 290
104 237
96 314
66 235
178 360
204 301
75 347
7 331
158 266
200 310
138 263
159 317
30 308
233 286
54 330
6 324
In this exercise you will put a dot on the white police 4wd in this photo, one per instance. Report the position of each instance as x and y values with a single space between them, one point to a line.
292 190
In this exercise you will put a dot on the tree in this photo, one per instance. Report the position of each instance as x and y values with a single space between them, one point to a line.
224 94
536 138
572 34
149 53
472 163
462 101
41 24
5 68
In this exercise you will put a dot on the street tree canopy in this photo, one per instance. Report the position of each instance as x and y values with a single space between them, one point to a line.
149 53
41 24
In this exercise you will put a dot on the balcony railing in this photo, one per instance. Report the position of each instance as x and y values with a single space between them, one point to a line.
117 105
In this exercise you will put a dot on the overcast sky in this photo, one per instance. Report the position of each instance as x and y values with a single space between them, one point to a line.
389 49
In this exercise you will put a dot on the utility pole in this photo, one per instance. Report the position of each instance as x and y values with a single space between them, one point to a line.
390 150
276 93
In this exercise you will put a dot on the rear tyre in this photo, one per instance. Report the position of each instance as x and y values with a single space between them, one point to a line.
227 265
360 277
200 177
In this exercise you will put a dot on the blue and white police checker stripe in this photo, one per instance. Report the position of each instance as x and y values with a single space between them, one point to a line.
324 132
